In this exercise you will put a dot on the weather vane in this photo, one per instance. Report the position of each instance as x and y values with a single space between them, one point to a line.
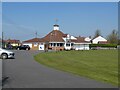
36 34
56 20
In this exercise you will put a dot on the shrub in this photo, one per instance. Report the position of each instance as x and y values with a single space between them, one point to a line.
104 45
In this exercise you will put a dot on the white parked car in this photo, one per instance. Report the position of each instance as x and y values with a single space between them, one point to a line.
4 54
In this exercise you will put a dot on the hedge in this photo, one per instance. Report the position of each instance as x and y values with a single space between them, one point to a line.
103 45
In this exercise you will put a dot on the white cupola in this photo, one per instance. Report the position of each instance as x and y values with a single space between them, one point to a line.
55 27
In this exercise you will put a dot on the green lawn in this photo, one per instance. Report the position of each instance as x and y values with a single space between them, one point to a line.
101 65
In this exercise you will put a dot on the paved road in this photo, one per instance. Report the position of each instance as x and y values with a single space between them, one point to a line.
25 72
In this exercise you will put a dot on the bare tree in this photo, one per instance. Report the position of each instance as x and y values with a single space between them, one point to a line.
113 37
97 33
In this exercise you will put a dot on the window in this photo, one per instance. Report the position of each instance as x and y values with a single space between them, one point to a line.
61 44
68 44
54 44
82 45
41 43
58 44
51 44
86 45
35 44
72 44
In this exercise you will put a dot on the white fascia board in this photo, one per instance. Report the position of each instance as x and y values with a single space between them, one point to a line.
32 42
56 42
82 43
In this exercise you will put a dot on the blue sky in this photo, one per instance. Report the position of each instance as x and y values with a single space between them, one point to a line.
22 20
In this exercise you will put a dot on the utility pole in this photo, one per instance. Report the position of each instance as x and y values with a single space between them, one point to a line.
2 40
4 77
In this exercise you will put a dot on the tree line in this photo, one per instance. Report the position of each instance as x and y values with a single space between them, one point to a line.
113 37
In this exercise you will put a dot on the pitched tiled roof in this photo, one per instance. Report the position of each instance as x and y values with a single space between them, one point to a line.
34 40
54 36
65 35
80 40
13 41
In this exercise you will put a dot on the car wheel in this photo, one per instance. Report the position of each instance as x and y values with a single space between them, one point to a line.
4 56
18 48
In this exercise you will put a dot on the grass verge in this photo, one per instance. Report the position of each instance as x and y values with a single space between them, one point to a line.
101 65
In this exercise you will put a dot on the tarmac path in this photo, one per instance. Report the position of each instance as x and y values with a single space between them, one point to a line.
25 72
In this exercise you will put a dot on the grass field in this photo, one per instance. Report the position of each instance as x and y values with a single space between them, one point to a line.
101 65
